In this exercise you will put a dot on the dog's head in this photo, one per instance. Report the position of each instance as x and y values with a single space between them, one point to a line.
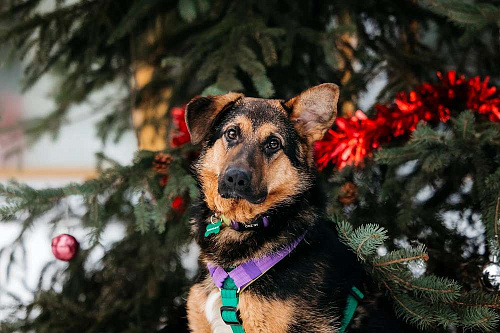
258 153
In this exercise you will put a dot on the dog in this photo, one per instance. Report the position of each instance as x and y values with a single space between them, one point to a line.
260 198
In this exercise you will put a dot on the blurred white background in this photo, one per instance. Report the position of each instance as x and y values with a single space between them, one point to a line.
48 163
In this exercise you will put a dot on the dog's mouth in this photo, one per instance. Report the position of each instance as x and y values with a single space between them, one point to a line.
239 196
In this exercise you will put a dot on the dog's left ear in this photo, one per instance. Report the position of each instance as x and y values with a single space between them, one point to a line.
201 112
314 110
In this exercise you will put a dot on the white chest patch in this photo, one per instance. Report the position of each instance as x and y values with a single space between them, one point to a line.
212 312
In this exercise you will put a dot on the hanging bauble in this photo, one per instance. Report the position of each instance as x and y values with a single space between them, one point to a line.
491 275
65 247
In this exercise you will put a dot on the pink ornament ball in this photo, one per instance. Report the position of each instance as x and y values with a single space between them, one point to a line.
65 247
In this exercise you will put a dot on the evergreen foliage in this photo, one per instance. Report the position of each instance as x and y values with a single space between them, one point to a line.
426 301
115 194
467 13
112 298
265 48
428 189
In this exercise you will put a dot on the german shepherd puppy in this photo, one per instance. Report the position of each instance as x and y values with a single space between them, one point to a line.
257 160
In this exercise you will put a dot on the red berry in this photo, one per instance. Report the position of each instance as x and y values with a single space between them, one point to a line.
178 204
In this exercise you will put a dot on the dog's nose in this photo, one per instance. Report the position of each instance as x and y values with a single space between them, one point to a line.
237 179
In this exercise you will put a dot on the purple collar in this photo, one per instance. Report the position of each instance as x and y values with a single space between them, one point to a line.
246 273
258 224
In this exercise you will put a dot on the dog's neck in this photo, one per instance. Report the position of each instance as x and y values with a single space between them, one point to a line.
230 248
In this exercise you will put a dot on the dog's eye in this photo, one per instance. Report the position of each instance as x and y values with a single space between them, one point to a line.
232 134
273 144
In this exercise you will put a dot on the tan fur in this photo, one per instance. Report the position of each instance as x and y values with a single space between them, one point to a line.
267 129
222 100
280 189
195 309
277 104
281 179
243 123
260 315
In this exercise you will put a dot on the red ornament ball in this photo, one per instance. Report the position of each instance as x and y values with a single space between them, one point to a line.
65 247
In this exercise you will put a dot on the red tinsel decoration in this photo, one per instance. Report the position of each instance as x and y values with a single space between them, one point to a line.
181 133
357 137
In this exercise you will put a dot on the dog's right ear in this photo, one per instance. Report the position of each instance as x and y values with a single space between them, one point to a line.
201 112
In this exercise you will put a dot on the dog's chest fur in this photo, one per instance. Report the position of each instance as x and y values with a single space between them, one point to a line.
212 307
305 292
259 313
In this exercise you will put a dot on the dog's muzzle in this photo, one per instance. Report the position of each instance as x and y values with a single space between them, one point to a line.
236 183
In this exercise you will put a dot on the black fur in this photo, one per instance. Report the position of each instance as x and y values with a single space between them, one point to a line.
321 271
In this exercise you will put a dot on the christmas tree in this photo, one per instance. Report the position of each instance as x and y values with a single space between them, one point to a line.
403 177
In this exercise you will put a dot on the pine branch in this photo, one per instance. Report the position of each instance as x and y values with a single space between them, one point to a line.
478 299
98 193
479 318
463 12
412 295
402 260
137 11
141 215
406 309
429 287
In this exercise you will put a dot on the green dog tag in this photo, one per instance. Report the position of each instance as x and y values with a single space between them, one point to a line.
213 228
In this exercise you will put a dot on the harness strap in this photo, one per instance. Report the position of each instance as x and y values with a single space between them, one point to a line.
352 303
246 273
229 312
231 315
234 281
